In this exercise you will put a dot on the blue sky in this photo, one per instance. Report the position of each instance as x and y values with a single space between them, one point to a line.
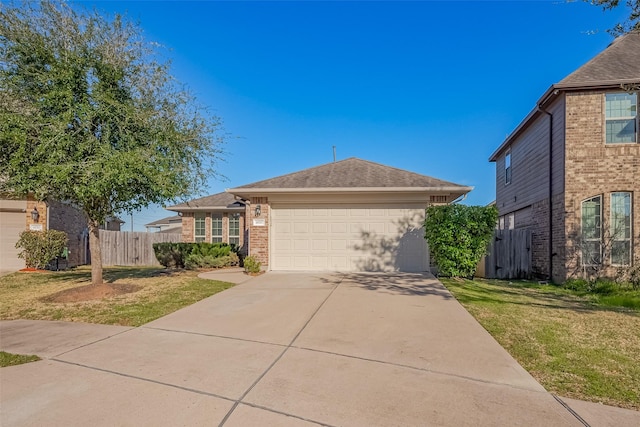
430 87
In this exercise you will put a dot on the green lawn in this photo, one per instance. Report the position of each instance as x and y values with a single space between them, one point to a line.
573 344
9 359
159 292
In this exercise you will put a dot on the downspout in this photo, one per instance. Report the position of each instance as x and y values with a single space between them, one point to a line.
542 110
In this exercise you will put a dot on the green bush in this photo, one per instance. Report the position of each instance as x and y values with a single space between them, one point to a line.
251 265
195 261
195 255
458 237
39 248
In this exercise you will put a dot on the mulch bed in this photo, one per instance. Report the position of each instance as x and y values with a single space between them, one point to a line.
91 292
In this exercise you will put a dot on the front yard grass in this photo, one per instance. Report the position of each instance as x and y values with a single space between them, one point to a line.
159 292
573 345
10 359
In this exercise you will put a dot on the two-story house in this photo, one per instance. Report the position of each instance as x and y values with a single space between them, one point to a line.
570 171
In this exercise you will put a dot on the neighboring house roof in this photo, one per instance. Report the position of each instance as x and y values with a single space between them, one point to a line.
219 201
352 174
618 66
171 230
165 221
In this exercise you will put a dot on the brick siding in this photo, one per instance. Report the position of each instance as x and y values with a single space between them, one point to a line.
594 168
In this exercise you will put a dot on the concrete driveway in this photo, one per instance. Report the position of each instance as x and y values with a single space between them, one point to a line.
282 349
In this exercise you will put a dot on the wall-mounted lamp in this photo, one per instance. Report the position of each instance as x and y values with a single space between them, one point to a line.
235 215
35 215
258 211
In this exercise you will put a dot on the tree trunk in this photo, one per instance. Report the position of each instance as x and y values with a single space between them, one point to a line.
96 253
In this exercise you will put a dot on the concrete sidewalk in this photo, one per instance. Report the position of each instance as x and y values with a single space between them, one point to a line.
286 349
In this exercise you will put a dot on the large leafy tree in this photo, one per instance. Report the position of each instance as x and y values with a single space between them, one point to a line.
91 116
631 22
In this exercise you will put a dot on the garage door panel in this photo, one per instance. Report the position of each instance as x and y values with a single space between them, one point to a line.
11 225
368 238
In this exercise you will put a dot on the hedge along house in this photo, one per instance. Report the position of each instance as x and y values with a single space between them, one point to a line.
351 215
216 218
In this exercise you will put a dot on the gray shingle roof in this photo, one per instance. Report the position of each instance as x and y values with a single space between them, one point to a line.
350 173
165 221
219 200
615 67
619 62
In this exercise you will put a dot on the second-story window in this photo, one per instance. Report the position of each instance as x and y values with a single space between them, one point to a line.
507 167
621 118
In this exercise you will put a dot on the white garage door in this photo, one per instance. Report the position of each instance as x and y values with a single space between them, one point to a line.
352 238
11 225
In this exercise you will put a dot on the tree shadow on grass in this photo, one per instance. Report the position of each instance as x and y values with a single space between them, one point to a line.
111 274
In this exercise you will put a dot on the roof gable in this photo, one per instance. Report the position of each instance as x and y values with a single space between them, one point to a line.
619 62
220 201
350 173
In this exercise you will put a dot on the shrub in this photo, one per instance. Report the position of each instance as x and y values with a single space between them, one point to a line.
458 236
251 265
39 248
195 255
194 261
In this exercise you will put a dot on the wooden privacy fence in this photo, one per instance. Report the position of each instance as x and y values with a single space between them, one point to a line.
509 255
131 247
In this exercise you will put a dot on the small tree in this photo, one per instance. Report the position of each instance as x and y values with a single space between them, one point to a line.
39 248
458 236
631 22
88 115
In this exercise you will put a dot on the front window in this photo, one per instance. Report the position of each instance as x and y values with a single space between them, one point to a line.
216 228
621 118
507 168
234 229
621 228
592 231
199 227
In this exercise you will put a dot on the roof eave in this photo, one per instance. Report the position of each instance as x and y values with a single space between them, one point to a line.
339 190
179 208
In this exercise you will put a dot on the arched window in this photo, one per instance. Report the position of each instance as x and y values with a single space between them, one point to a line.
592 231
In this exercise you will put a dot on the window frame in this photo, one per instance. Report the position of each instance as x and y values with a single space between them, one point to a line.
628 230
234 239
199 222
633 118
598 227
215 219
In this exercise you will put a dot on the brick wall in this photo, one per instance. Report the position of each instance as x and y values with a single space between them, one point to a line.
595 168
67 218
188 222
259 235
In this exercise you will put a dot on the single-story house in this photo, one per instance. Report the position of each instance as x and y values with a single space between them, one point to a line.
170 224
350 215
20 214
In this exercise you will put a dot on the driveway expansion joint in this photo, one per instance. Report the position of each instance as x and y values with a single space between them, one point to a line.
571 411
91 343
177 331
277 359
108 371
416 368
